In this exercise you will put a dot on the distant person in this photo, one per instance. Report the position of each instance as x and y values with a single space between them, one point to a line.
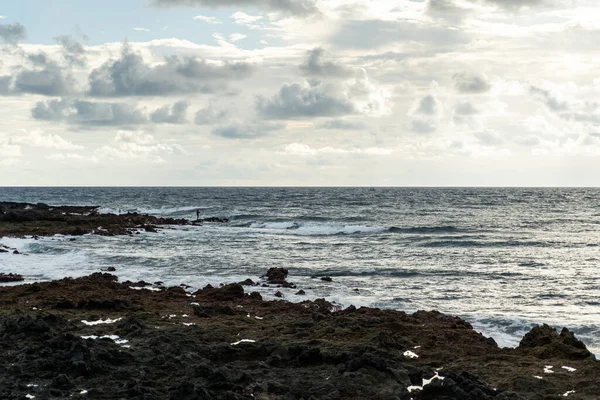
197 214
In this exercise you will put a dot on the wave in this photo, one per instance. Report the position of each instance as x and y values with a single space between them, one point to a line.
152 211
427 229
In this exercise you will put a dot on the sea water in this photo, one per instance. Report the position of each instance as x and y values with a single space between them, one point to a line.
505 259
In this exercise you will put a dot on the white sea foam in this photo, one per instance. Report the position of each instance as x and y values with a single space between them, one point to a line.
304 229
101 321
243 341
570 369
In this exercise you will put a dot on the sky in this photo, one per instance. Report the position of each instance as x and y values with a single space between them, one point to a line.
300 93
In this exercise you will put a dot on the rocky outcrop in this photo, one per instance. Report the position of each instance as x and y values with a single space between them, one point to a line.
108 340
18 219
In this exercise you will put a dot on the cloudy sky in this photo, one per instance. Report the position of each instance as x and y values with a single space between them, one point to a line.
300 92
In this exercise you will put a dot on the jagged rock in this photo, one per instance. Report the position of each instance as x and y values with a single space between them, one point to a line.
277 276
544 342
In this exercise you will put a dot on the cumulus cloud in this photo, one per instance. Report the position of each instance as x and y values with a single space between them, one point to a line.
419 125
465 109
210 20
488 138
242 18
247 131
316 99
174 114
88 113
49 79
73 51
315 64
428 105
210 115
302 8
37 138
466 82
131 76
447 10
9 149
12 33
298 100
551 99
138 146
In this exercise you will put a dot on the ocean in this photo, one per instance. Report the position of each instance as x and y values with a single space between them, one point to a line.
504 259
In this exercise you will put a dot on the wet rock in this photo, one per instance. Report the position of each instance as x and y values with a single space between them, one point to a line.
16 252
278 294
208 311
255 296
229 292
326 278
276 276
111 269
300 292
247 282
11 277
544 342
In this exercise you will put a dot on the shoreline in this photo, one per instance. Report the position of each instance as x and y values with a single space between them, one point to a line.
101 330
96 337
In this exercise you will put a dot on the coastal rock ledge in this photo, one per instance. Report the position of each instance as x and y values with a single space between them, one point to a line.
96 338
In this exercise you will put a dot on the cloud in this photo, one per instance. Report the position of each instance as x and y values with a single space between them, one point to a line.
371 34
517 4
8 149
465 109
300 149
50 80
342 124
210 115
174 114
12 33
234 37
428 105
247 131
487 138
316 65
73 51
418 125
88 113
210 20
141 30
242 18
466 82
447 10
131 76
137 146
551 99
301 8
42 139
302 100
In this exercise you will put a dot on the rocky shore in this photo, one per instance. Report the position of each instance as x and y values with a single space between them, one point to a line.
96 338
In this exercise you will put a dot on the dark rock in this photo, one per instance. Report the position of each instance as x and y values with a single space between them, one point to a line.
278 294
207 311
111 269
326 278
300 292
230 292
544 342
277 276
247 282
16 252
11 277
255 296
